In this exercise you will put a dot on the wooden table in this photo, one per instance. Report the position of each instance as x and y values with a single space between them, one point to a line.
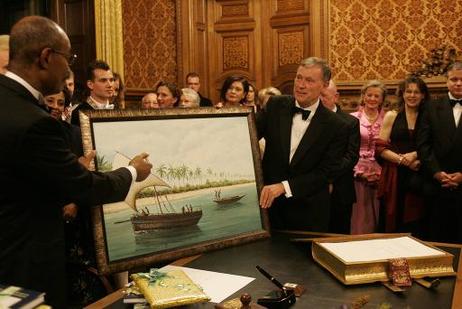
292 262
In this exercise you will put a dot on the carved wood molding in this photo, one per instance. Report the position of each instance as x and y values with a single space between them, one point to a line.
192 41
278 21
319 28
235 25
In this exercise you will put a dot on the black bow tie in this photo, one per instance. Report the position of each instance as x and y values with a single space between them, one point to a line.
454 102
305 113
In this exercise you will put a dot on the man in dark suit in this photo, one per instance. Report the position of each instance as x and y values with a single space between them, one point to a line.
439 142
193 82
304 142
38 172
342 188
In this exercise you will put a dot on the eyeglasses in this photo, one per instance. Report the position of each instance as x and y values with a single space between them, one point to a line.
69 57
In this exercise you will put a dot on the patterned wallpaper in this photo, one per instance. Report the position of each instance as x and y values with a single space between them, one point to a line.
386 39
149 29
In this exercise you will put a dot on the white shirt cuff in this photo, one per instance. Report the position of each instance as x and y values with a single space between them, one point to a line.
288 193
133 172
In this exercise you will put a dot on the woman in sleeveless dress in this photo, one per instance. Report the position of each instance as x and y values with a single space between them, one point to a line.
402 206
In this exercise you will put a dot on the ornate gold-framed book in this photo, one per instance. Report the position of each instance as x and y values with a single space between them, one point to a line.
169 289
359 259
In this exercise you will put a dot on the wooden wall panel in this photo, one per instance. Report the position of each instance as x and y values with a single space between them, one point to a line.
234 42
77 19
193 49
388 39
287 22
150 43
261 40
265 39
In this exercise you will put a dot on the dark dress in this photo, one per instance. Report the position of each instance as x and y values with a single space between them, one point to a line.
399 186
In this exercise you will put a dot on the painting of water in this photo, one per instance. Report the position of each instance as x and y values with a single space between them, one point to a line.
203 185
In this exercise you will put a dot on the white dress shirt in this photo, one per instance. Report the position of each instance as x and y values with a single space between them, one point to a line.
456 110
97 105
26 85
299 127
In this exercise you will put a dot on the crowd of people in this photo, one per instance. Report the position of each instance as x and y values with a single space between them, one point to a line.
324 169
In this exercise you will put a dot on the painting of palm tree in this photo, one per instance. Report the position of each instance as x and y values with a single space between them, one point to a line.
206 164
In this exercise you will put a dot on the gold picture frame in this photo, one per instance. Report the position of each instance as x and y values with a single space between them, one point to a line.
206 165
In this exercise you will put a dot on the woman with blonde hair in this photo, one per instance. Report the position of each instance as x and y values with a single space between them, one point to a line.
189 98
365 212
265 93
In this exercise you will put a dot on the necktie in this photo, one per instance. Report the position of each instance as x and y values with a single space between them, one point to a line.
454 102
305 113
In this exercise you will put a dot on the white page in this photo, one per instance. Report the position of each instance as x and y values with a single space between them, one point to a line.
218 286
380 249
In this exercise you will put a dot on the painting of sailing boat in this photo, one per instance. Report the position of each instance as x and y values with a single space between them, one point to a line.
144 220
203 189
225 200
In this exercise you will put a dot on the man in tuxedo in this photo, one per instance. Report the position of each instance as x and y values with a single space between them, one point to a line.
342 188
38 172
193 81
439 142
100 84
304 143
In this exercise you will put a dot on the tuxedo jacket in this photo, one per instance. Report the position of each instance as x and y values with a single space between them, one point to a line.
75 117
38 175
318 153
342 178
204 102
439 141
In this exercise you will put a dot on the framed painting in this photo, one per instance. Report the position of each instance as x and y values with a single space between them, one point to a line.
202 193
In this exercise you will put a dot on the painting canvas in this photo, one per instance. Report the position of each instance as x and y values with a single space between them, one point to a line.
202 193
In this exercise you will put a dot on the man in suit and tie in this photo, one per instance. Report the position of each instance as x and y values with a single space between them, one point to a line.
439 142
342 188
38 172
304 142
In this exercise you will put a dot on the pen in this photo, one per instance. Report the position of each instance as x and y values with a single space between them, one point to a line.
271 278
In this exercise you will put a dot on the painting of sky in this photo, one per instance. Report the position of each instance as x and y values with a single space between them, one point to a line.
221 144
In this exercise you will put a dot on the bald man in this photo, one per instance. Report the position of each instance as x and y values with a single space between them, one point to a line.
38 173
342 183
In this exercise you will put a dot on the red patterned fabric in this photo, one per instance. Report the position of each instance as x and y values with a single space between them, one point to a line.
387 190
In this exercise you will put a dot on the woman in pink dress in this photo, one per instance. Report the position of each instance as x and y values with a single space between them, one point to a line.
365 214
